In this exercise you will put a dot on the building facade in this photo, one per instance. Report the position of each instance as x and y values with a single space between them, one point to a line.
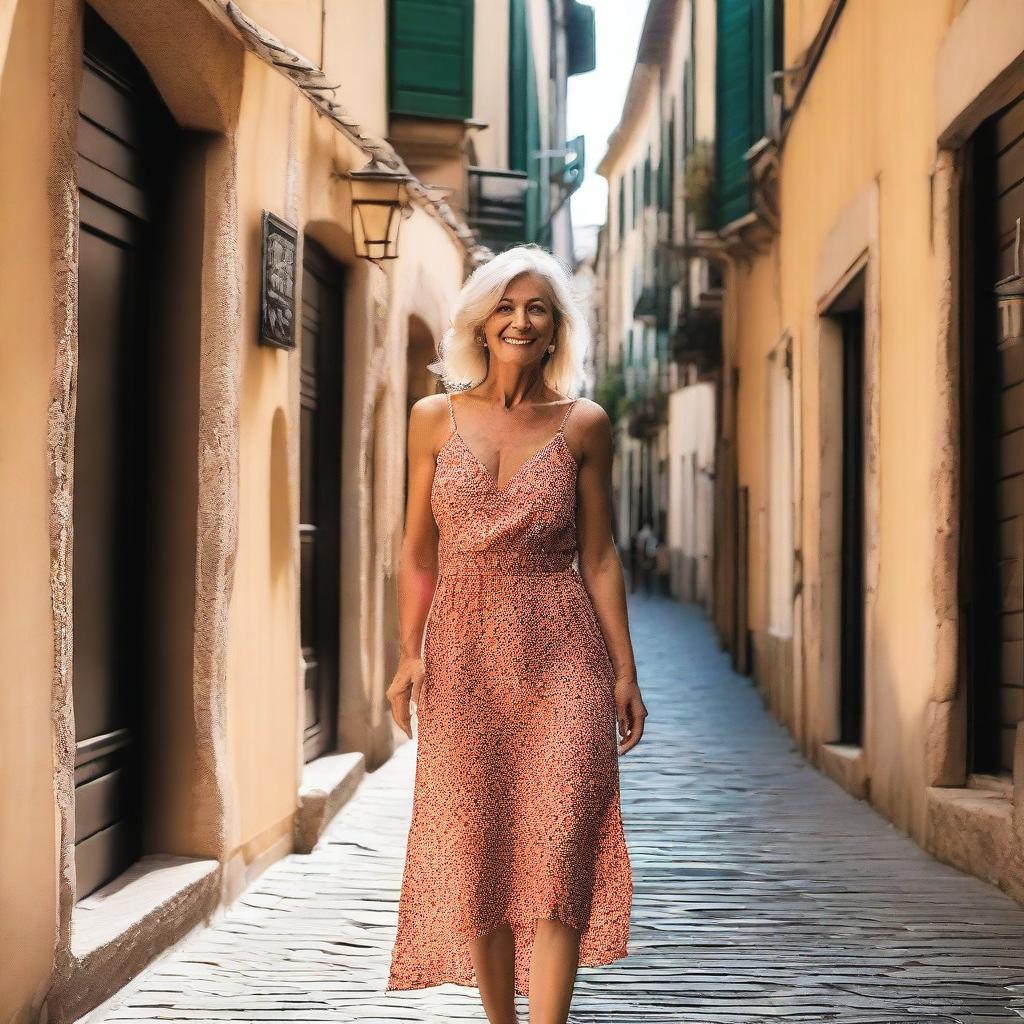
869 201
872 259
851 247
201 522
657 344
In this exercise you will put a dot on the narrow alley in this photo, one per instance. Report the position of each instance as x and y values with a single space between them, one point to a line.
763 892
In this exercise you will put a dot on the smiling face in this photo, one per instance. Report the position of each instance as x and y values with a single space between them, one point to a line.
522 325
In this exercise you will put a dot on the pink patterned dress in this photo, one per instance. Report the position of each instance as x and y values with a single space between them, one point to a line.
516 812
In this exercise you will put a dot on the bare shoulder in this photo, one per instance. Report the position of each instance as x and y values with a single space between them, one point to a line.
588 430
428 421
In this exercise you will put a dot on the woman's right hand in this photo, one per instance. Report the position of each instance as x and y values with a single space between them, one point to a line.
407 683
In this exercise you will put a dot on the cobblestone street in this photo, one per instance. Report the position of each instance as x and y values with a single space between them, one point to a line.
763 892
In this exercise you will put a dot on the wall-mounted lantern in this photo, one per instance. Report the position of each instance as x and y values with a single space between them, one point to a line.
378 198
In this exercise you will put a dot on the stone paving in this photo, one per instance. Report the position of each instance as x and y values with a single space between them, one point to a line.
763 892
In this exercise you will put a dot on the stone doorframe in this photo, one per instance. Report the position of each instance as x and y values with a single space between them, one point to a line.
850 247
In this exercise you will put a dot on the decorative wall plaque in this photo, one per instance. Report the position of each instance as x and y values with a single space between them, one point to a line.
277 291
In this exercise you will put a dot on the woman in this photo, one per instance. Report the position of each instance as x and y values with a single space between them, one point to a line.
516 870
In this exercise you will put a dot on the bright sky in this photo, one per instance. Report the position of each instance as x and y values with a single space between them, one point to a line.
595 105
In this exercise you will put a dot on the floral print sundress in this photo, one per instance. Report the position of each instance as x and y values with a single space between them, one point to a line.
516 812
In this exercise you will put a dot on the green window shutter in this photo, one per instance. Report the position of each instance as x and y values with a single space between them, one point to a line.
740 78
524 119
430 58
647 180
581 39
760 62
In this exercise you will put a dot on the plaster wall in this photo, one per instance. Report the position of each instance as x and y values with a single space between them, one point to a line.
704 76
839 143
28 842
297 23
490 81
759 329
803 18
690 443
355 57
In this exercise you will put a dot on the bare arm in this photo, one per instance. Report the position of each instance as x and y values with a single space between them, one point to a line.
601 568
417 565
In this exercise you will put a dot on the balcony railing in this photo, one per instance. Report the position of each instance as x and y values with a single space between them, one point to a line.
497 207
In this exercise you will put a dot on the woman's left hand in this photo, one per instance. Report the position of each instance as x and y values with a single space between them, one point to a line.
630 712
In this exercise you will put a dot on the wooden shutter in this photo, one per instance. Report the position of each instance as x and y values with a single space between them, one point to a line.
524 113
581 39
740 76
431 58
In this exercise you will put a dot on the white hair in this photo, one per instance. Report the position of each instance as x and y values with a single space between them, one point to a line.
463 360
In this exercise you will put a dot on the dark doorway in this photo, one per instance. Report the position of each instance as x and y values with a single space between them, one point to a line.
125 135
320 493
848 313
992 544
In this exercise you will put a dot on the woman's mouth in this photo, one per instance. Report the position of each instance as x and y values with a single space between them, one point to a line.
513 339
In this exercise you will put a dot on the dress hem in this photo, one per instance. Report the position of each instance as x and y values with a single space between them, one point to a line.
600 960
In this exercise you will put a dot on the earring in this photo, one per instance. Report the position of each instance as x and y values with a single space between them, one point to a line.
551 347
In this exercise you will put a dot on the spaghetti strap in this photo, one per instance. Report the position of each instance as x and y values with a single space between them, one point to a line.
561 426
451 411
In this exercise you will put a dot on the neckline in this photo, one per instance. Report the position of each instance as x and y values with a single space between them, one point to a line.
491 480
486 473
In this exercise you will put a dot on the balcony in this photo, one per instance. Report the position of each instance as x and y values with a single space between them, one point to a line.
698 339
496 207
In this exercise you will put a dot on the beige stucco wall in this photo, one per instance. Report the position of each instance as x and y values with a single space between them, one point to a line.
759 328
354 52
490 81
27 826
841 146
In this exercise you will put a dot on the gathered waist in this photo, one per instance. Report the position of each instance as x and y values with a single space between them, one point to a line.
463 563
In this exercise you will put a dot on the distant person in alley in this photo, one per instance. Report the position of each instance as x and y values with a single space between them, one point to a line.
510 584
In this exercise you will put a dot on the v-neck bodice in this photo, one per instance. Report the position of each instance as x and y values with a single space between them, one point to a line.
526 525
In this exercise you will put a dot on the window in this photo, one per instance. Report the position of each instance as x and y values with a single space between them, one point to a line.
430 58
748 48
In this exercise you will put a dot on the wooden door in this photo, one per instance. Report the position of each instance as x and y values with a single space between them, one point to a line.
122 132
993 550
320 493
